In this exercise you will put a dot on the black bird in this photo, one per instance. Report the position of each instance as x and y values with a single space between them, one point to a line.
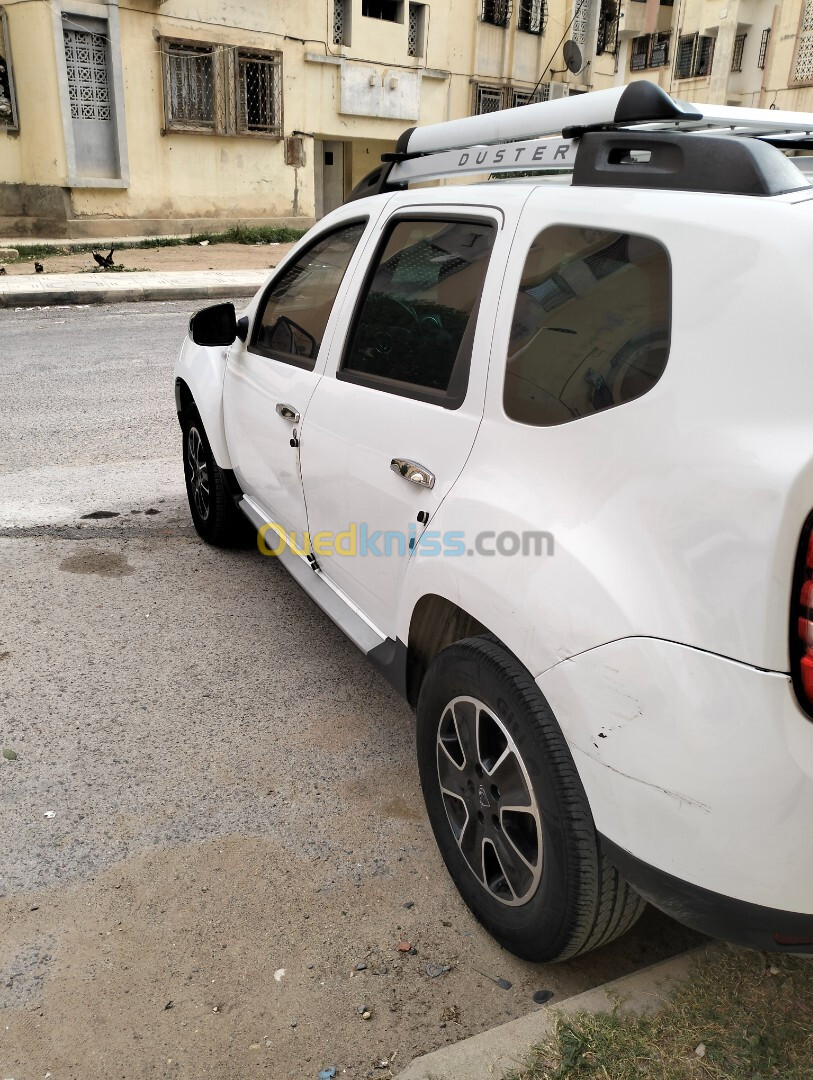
104 260
38 268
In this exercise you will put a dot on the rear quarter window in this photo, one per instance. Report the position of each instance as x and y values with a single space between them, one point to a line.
591 324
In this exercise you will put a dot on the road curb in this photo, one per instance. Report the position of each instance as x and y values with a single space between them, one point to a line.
56 297
491 1054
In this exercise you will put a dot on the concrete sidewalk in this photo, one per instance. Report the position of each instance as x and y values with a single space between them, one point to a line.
492 1054
47 290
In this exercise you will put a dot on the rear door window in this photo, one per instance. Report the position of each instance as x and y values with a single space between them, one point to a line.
591 324
413 329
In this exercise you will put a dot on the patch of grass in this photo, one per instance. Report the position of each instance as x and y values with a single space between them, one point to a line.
742 1016
239 234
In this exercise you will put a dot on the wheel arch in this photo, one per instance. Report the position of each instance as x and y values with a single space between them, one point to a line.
199 376
436 622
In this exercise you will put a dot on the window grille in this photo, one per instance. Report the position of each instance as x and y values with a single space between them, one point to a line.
659 50
607 36
496 12
581 14
803 66
259 97
533 16
86 62
705 56
415 30
695 56
341 22
526 97
685 56
736 56
189 86
639 56
8 105
763 47
221 89
487 99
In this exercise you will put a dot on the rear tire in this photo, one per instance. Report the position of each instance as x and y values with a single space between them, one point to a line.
214 513
508 809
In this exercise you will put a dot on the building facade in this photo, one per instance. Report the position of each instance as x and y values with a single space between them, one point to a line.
151 116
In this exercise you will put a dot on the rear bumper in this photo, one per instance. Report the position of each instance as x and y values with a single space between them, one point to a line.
699 775
712 913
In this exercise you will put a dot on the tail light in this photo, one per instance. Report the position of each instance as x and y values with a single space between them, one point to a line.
801 621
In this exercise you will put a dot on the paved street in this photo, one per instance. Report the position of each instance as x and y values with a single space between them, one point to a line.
214 816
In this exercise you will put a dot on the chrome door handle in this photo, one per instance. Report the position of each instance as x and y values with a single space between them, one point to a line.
288 412
412 471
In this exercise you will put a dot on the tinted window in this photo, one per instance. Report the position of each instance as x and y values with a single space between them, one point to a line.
410 332
292 321
590 327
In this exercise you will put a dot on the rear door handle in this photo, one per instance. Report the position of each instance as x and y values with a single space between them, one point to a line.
288 412
412 471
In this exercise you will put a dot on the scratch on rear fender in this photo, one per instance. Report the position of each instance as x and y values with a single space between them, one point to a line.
676 795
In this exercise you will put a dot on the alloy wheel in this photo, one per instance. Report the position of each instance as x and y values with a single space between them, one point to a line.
198 472
490 803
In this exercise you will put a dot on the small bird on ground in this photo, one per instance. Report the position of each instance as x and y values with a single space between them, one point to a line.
104 261
38 268
2 270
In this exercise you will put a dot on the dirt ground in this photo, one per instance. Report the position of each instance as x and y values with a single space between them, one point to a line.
182 258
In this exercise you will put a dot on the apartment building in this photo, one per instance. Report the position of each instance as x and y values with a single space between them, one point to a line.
127 117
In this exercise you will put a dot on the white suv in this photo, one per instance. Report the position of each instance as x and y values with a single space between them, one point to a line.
543 451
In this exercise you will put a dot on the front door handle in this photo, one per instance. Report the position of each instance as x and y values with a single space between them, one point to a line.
288 412
412 471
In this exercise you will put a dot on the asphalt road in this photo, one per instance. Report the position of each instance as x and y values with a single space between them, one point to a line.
214 815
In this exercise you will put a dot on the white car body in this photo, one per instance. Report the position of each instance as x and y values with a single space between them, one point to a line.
659 629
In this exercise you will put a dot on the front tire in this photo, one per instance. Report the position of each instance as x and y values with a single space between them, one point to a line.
508 809
214 513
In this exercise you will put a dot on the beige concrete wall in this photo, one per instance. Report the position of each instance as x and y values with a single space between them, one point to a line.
35 154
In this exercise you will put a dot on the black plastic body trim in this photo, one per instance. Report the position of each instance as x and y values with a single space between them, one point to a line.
390 658
719 164
713 913
796 647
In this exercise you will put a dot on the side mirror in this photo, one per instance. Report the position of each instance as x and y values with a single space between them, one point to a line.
216 325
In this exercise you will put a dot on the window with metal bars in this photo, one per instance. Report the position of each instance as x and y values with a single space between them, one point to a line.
803 64
189 86
736 56
221 89
607 34
526 97
532 17
650 51
639 53
763 47
8 104
259 97
659 50
416 30
487 99
694 56
495 12
341 22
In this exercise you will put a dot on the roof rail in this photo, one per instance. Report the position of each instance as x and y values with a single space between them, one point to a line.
511 140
